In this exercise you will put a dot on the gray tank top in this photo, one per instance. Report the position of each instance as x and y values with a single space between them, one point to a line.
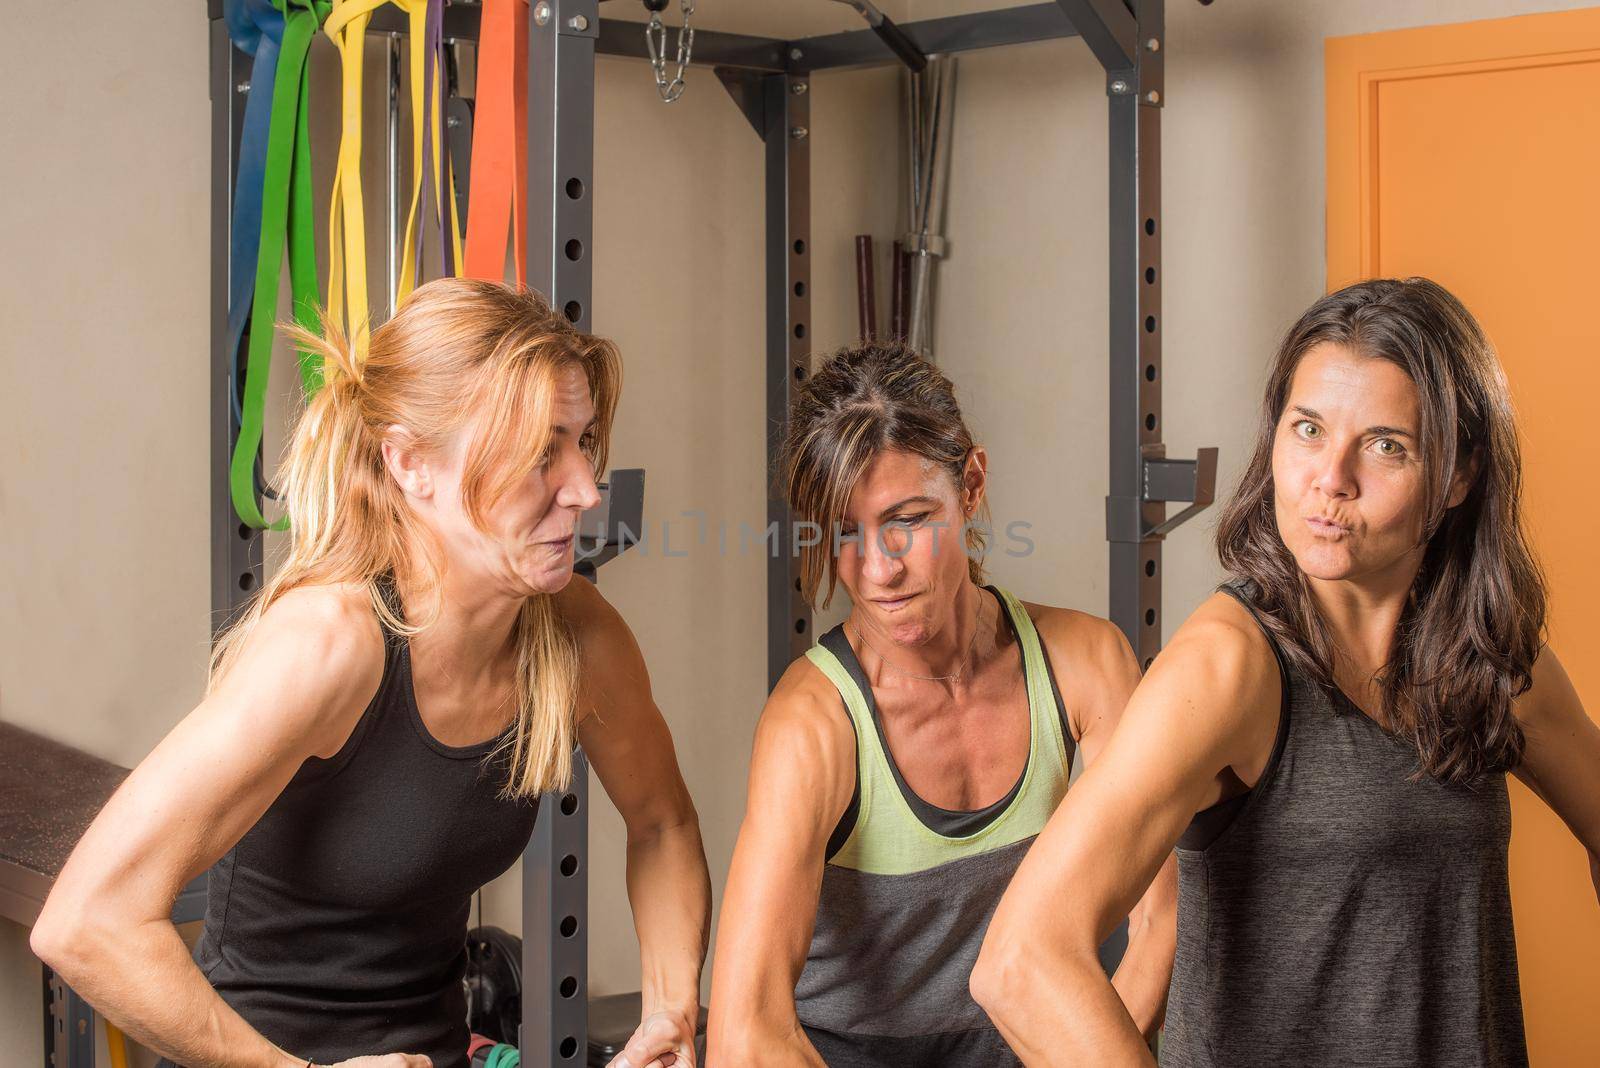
1343 912
908 888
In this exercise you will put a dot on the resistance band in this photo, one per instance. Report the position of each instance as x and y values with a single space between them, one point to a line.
503 1057
285 216
434 158
116 1046
426 19
499 143
347 25
347 308
256 28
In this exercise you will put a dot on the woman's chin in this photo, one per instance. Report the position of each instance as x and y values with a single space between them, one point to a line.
1327 563
546 576
902 630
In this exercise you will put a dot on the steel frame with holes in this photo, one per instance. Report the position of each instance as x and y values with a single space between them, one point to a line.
769 79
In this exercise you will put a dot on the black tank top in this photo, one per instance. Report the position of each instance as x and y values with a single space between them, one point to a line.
1347 912
337 926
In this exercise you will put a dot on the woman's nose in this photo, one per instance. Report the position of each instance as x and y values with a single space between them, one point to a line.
882 557
579 489
1336 474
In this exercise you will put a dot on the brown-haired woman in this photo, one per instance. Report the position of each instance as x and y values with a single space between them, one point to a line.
904 765
1325 740
381 721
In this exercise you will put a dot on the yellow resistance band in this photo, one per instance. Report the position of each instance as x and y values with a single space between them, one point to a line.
347 308
347 25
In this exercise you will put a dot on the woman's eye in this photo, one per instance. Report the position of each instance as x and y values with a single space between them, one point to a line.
1307 429
908 520
1389 447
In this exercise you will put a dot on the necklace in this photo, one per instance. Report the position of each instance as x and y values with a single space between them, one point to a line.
965 662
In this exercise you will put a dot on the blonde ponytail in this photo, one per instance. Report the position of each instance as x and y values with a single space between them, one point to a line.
458 351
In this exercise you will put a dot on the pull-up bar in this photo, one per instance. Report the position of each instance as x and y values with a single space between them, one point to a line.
805 55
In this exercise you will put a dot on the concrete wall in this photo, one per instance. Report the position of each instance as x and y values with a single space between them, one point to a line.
103 414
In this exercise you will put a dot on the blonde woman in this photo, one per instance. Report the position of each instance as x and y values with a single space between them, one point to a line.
380 723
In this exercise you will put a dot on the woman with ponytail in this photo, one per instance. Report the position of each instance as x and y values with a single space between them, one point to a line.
382 719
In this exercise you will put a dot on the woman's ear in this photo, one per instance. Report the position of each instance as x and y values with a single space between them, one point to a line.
1465 475
406 463
974 480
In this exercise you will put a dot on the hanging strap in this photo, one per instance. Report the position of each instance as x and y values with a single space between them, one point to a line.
432 116
426 23
499 143
286 216
438 166
256 28
346 25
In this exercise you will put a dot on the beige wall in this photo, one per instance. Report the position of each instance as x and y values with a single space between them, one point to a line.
103 411
103 395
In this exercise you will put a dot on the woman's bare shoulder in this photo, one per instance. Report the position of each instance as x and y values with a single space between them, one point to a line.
314 658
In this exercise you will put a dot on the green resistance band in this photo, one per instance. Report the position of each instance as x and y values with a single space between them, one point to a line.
503 1057
286 215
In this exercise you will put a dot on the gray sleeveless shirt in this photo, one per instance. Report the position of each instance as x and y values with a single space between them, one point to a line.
1343 912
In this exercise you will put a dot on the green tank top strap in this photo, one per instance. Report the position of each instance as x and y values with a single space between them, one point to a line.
889 836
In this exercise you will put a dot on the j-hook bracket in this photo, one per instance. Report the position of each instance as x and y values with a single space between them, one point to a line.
612 527
1192 482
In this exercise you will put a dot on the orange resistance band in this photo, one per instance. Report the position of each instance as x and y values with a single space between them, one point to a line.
499 143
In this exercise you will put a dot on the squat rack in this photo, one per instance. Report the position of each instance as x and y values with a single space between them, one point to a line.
769 80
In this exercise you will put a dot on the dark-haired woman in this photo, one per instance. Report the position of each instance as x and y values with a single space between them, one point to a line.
1325 740
903 766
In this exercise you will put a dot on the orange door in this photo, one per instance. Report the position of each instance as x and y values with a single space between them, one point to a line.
1471 154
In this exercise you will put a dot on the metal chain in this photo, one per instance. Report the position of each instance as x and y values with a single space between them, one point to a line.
655 38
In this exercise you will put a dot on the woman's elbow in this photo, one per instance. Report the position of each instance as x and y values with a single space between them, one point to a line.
666 817
46 942
65 939
999 978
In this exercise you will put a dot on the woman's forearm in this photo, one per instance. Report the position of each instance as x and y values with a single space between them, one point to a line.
1057 1008
669 888
1145 972
143 980
1144 976
741 1035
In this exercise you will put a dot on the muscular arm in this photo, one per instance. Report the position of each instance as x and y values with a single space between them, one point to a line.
801 778
302 680
1561 760
1103 678
626 738
1208 705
